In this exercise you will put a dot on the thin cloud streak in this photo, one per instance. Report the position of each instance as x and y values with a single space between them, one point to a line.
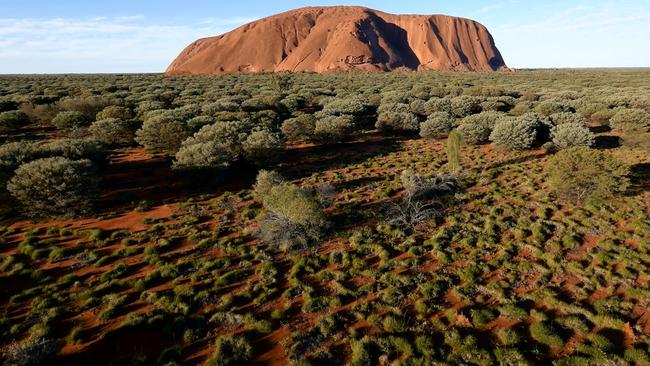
98 44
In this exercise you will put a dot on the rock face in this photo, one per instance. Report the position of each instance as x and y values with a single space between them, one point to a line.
342 38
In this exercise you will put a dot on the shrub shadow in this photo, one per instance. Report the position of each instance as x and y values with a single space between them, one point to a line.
607 142
639 178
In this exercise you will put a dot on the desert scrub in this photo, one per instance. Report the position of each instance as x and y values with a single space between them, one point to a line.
293 218
572 135
545 333
437 125
230 350
55 187
516 134
580 173
631 120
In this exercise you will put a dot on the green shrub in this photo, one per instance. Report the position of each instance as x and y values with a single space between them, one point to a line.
114 111
567 117
54 187
474 133
231 350
262 146
162 134
516 134
397 121
198 122
265 181
351 106
579 173
89 106
571 135
465 105
294 218
70 120
437 125
332 129
113 131
12 120
550 107
546 334
201 155
299 129
631 120
488 119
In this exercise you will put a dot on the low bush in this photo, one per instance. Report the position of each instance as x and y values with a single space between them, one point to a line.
516 134
474 133
465 105
231 350
54 187
579 173
194 155
437 125
294 218
546 334
332 129
113 131
114 111
299 129
488 119
12 120
397 121
571 135
162 134
631 120
262 146
550 107
70 120
567 117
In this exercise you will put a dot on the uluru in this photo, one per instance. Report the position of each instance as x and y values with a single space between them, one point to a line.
344 38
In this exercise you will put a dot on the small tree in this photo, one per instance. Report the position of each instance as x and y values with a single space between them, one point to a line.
54 187
161 134
70 120
113 131
572 135
454 147
579 173
437 125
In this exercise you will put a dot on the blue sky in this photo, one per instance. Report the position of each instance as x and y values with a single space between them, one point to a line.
47 36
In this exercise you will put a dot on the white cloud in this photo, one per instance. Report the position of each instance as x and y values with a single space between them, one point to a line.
98 44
